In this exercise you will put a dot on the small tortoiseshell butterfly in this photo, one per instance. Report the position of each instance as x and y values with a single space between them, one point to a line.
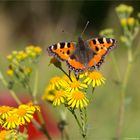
84 55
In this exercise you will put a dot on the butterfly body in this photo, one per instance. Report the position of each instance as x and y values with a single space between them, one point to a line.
84 55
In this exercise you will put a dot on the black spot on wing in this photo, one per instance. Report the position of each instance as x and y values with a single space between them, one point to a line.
94 41
51 52
96 48
108 40
114 41
68 45
68 52
62 45
55 47
101 40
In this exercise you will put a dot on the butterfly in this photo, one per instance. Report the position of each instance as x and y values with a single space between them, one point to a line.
84 55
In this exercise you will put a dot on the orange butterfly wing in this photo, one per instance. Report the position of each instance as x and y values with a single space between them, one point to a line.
62 50
100 46
75 65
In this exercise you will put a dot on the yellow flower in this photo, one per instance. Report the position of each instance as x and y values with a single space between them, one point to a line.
94 77
11 121
33 51
77 99
38 50
25 113
27 70
74 85
13 117
9 57
14 53
59 97
48 94
10 72
1 121
21 55
29 49
123 22
131 21
56 82
123 8
65 78
36 107
5 111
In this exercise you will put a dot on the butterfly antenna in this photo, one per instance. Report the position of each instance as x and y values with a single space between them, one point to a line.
85 28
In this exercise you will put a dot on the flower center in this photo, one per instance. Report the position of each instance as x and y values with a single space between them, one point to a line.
21 112
12 118
78 95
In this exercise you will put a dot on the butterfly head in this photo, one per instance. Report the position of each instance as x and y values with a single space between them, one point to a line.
80 42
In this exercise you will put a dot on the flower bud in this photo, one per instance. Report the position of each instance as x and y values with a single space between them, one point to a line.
37 50
28 70
9 57
55 62
129 9
131 21
123 22
10 72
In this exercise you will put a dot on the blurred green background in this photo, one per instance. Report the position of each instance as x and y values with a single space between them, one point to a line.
47 22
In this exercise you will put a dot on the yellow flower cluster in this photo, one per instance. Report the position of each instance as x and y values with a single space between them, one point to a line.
11 118
128 21
130 25
72 91
30 51
20 61
124 13
124 9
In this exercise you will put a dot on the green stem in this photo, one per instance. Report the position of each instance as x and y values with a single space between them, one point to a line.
76 118
85 119
62 135
82 115
78 122
43 126
13 94
35 85
122 102
130 55
68 75
34 94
